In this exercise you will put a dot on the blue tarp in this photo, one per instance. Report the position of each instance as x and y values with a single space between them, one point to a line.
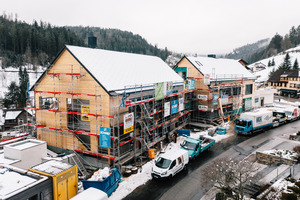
108 185
186 132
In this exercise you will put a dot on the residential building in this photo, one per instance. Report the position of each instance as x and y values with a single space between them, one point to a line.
264 97
16 117
287 82
223 87
111 106
18 184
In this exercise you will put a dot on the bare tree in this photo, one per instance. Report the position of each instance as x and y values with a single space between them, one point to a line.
231 176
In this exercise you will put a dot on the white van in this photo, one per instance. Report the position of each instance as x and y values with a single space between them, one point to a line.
291 112
170 163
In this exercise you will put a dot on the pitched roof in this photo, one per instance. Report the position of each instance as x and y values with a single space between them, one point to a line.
117 70
219 68
283 73
9 115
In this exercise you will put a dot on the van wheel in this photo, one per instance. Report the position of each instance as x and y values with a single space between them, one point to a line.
185 167
170 177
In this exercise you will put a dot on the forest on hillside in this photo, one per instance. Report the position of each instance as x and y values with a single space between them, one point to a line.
117 40
260 50
38 43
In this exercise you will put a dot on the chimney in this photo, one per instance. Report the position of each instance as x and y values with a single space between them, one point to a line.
92 42
212 55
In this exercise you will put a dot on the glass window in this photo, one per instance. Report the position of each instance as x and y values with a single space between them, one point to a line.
49 103
188 145
259 119
163 163
248 89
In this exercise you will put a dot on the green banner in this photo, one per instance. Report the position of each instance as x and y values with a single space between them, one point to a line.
159 91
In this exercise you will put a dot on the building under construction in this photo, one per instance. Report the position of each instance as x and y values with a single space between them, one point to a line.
223 87
108 105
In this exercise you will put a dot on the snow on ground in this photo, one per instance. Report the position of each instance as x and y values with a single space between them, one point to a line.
10 74
132 182
263 75
282 153
144 174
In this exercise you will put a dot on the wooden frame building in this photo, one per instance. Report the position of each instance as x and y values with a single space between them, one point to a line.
223 87
104 103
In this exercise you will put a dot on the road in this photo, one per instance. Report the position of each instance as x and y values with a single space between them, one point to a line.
191 184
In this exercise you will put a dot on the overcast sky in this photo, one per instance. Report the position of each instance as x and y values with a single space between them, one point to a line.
194 26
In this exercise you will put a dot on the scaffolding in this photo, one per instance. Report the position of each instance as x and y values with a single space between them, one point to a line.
70 107
217 98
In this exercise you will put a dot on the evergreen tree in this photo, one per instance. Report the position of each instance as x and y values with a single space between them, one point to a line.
23 84
296 65
11 98
273 62
286 65
269 63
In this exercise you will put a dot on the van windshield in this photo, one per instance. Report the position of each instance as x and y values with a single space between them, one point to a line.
188 145
241 122
289 113
162 163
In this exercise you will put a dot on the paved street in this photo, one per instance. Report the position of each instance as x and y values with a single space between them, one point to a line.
192 185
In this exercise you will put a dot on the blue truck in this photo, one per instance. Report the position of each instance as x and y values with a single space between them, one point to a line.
252 121
196 146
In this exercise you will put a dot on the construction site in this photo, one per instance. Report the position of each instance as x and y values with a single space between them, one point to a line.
220 95
108 127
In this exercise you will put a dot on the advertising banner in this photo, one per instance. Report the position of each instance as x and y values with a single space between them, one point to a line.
168 86
215 99
203 108
224 99
86 110
104 137
191 84
206 79
202 97
128 123
159 91
167 109
181 104
174 106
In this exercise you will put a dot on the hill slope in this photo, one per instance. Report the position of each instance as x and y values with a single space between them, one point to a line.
117 40
263 75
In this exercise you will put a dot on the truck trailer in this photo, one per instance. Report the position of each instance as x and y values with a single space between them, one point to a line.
252 121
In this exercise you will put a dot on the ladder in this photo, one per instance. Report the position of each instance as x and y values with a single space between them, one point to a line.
75 160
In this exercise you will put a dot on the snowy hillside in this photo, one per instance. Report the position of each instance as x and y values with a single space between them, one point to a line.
263 75
11 74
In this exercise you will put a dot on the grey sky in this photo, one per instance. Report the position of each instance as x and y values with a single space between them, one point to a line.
195 26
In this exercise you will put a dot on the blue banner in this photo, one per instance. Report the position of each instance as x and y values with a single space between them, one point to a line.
174 106
191 84
105 137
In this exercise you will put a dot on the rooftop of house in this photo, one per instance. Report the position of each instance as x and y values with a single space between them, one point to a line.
220 68
25 144
14 180
118 70
52 167
283 73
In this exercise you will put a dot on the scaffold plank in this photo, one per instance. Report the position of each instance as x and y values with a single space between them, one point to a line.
96 154
71 112
66 93
69 131
68 74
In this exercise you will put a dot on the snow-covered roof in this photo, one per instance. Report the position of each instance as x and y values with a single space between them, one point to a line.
117 70
9 115
52 167
2 119
14 180
219 68
263 75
